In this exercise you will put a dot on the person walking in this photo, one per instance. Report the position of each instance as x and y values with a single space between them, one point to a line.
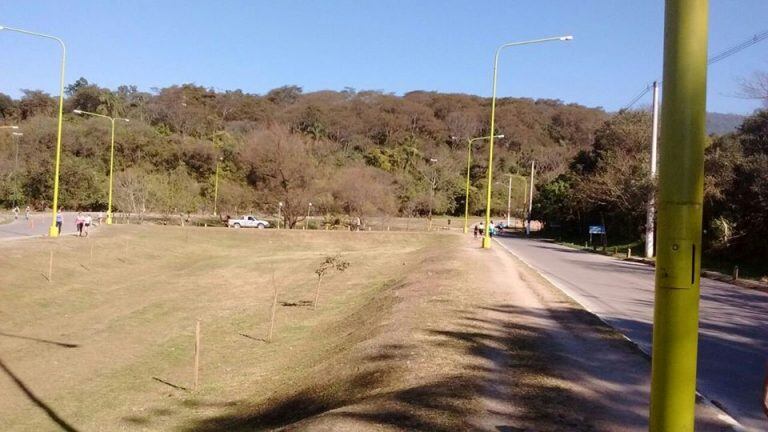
88 221
475 231
59 220
16 212
79 222
27 211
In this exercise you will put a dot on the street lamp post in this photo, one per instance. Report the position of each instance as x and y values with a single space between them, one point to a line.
486 234
111 155
680 202
53 231
469 166
309 210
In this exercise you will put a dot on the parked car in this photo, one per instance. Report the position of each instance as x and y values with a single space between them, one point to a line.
247 221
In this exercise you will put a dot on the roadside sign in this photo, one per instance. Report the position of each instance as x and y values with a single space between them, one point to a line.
597 229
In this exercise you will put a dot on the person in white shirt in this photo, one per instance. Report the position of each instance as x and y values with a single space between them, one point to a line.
88 221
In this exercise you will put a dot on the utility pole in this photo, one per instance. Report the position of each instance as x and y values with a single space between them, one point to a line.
530 200
650 214
681 192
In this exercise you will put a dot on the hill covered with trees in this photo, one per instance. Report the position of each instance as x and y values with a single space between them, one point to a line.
356 153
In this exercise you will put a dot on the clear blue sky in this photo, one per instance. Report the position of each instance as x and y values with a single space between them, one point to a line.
394 46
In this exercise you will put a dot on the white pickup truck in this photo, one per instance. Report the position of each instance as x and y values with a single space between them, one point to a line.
247 221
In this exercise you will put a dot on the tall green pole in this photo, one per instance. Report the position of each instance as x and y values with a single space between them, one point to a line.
486 234
486 227
111 155
681 180
469 166
111 171
53 231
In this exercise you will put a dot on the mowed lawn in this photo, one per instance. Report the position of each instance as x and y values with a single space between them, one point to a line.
108 343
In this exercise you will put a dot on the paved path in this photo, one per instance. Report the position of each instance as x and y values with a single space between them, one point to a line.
733 336
38 225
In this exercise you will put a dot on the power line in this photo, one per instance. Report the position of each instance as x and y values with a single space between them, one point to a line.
754 40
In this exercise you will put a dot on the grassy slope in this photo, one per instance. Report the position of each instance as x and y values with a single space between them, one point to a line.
131 313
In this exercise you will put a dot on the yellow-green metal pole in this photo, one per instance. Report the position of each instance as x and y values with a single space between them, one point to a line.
111 171
469 166
486 227
53 231
111 156
486 235
681 180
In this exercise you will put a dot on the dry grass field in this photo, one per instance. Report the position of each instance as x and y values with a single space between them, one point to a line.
108 343
424 331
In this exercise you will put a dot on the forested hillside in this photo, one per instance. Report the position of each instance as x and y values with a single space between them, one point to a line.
365 153
349 152
609 183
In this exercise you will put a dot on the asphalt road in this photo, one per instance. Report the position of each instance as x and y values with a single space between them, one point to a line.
37 225
733 335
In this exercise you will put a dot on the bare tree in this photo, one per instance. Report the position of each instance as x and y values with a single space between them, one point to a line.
282 169
757 87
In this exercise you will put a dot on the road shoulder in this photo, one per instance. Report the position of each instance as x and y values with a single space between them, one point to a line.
601 360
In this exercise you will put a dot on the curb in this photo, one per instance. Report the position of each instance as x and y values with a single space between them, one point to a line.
724 416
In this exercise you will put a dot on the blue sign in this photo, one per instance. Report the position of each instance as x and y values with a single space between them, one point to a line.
597 229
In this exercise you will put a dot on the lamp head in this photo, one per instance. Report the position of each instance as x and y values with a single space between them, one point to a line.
127 120
77 111
566 38
499 136
2 28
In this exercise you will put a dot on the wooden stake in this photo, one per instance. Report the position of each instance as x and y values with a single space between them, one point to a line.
629 252
197 354
317 293
50 267
274 310
736 273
